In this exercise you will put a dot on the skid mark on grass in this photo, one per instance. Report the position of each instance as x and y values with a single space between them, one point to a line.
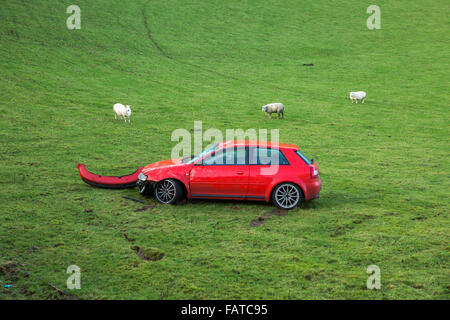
343 229
144 208
149 33
128 238
168 56
261 219
279 212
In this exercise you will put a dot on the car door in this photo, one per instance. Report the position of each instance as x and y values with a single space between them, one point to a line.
265 164
223 174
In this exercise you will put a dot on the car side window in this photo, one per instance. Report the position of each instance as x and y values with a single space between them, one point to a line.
267 156
229 156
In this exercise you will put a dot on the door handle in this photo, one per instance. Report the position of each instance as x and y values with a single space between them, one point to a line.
240 172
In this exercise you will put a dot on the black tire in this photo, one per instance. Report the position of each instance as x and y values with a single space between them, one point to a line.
287 195
168 191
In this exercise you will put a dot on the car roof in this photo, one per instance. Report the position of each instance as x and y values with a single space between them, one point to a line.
256 143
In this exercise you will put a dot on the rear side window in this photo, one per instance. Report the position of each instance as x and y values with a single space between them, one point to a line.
304 157
267 156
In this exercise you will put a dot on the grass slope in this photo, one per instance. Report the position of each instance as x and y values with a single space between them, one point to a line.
384 164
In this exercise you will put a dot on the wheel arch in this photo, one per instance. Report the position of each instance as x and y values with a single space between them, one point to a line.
159 175
274 185
183 185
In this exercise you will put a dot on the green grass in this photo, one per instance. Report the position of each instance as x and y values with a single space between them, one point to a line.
384 164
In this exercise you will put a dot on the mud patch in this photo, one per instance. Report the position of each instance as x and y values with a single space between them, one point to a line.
341 230
279 212
149 254
144 208
362 218
33 249
261 219
10 271
257 222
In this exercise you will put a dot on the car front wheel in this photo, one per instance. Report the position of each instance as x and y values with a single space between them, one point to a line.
287 196
168 191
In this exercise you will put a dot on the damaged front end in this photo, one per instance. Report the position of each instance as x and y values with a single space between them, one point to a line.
144 185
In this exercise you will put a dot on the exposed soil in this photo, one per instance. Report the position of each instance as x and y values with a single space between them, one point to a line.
144 208
275 212
279 212
257 222
10 271
149 254
33 249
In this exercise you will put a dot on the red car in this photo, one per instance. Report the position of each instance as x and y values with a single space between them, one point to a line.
244 170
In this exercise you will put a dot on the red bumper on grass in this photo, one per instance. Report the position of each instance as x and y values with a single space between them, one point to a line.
96 180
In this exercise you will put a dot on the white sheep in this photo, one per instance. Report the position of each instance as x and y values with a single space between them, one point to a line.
358 95
274 108
122 111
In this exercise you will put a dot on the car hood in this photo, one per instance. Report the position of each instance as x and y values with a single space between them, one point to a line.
164 164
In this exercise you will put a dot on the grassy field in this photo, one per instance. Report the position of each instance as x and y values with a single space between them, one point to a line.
384 164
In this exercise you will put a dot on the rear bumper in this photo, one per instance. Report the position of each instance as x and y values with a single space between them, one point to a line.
313 189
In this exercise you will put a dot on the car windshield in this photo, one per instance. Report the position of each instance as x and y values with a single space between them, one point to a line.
205 152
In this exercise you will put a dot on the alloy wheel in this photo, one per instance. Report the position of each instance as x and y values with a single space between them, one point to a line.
287 196
165 191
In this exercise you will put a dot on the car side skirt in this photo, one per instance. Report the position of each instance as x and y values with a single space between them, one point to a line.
227 196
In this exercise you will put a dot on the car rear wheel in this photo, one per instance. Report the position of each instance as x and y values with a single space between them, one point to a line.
168 191
287 196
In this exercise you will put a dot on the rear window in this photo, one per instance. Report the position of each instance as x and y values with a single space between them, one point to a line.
304 157
267 156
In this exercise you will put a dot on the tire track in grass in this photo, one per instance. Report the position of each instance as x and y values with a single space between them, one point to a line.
149 33
168 56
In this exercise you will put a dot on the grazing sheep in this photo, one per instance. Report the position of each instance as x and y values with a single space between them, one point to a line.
359 95
274 108
122 111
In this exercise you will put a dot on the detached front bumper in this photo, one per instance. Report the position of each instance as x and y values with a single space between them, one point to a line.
109 182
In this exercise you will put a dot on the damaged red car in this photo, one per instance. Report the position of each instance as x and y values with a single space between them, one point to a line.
236 170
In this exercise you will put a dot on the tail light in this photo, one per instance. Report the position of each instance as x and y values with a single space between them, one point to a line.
314 172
